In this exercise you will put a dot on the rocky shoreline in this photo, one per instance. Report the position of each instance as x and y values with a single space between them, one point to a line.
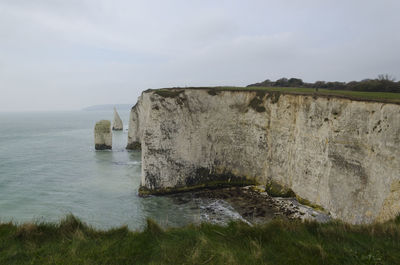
250 204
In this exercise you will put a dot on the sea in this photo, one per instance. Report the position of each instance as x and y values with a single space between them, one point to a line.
50 169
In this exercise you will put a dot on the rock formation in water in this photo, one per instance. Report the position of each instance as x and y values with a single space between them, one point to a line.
337 153
103 135
117 122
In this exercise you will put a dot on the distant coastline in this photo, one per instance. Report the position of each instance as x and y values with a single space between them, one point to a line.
108 107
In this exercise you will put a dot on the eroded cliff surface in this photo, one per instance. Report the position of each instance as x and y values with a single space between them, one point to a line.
340 154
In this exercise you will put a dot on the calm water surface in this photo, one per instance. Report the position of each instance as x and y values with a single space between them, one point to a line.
49 168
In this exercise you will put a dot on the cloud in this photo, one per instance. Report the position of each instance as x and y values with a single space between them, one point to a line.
69 54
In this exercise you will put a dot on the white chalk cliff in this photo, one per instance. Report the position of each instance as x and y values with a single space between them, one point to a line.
341 154
117 122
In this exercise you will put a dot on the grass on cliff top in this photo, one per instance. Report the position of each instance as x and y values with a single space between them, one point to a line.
378 96
356 95
278 242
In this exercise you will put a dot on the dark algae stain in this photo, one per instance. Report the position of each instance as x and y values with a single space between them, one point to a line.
200 179
204 175
274 97
354 167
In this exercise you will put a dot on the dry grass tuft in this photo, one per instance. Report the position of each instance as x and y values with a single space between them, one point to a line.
27 230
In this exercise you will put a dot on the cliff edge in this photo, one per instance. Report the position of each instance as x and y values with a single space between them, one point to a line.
338 153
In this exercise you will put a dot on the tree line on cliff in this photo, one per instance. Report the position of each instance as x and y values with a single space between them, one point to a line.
383 83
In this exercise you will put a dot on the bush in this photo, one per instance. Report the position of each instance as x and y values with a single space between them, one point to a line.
383 83
295 82
283 82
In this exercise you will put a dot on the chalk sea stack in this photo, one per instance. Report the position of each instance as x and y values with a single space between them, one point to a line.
102 135
117 122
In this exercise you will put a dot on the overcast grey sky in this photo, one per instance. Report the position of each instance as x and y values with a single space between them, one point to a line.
68 54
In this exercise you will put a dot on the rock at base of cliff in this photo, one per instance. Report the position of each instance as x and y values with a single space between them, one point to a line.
134 146
102 147
117 122
102 135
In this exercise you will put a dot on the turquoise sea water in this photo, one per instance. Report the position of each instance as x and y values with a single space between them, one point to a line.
49 168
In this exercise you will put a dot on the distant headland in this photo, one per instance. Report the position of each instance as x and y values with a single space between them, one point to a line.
108 107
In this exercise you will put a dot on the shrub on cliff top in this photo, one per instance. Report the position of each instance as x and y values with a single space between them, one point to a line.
383 83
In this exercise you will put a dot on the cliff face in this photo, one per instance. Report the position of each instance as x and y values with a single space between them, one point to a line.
340 154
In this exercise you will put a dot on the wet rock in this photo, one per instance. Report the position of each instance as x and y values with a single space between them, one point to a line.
248 204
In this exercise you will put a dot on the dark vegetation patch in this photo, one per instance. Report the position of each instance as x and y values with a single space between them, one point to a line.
257 102
168 93
277 190
274 96
277 242
274 189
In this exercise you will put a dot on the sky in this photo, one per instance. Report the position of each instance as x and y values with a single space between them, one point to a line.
69 54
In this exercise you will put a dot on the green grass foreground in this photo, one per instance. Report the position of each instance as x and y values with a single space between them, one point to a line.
278 242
